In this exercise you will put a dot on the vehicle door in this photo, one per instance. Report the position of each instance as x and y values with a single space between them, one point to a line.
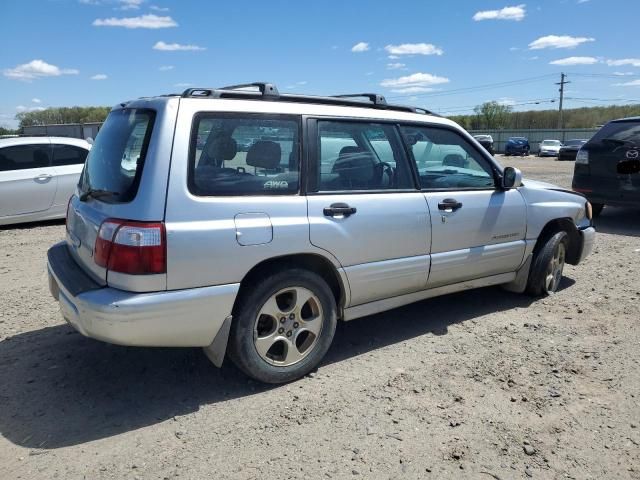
364 207
478 229
68 161
27 183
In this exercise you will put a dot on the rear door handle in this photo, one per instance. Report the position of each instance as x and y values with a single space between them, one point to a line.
449 205
339 210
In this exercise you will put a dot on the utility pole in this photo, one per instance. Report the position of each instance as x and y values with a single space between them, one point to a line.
562 83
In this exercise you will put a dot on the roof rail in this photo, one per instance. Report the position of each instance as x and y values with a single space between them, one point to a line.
374 98
268 91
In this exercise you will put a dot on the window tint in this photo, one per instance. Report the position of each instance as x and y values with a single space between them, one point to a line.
68 155
360 156
618 133
22 157
244 155
116 159
445 160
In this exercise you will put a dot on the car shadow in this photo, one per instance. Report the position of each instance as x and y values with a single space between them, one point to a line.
29 225
63 389
619 221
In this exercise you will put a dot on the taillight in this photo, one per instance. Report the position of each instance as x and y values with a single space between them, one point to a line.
135 248
582 157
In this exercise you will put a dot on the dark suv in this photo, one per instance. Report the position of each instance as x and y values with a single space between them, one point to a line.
517 146
607 168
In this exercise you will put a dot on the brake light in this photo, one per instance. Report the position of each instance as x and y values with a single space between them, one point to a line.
135 248
582 157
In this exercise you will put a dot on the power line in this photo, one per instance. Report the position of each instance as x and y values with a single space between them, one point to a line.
562 83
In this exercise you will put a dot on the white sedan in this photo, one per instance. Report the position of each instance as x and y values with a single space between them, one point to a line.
38 175
549 148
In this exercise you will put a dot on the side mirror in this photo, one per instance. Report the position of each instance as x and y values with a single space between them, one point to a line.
511 178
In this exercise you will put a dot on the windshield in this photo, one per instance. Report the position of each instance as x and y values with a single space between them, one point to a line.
551 143
117 156
574 143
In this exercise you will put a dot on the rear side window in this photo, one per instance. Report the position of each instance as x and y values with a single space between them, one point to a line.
243 154
117 156
68 155
22 157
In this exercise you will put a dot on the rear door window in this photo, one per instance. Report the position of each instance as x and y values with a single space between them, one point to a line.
617 134
68 155
22 157
244 154
117 156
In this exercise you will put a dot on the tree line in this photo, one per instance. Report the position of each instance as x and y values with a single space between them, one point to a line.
493 115
489 115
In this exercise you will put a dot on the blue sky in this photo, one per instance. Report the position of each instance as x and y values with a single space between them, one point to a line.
433 54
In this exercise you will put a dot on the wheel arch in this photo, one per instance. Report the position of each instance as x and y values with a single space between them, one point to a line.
309 261
558 225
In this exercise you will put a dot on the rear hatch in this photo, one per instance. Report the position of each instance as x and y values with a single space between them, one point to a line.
124 180
614 158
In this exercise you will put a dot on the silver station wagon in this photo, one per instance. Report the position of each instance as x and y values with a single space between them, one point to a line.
249 222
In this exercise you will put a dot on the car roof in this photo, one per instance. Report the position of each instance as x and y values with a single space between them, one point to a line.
627 119
35 140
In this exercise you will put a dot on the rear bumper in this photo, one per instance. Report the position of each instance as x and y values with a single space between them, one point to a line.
611 191
588 236
176 318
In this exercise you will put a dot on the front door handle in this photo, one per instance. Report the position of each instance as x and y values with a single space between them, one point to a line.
43 177
339 210
449 205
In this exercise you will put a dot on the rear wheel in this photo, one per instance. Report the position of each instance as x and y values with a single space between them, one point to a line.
548 264
596 208
283 326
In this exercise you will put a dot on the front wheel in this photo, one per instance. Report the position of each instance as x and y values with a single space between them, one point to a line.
547 266
283 326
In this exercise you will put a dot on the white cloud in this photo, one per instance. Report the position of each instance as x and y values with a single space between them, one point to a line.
413 49
632 83
515 13
413 81
183 84
36 100
166 68
514 49
22 108
175 47
634 62
582 1
413 90
145 21
360 47
575 61
622 74
130 4
506 101
36 69
558 41
158 9
395 66
99 76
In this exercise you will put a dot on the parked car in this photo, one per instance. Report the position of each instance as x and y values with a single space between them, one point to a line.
607 168
38 175
517 146
486 141
209 248
549 148
570 148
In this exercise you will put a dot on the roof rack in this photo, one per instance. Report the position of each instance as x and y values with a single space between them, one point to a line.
268 91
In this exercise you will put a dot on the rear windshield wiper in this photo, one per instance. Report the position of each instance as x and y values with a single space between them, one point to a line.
618 142
96 193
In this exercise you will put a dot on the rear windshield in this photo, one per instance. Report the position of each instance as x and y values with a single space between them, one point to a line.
117 156
618 133
550 143
574 143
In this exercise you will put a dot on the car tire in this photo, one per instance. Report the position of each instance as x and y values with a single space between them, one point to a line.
596 209
276 313
547 266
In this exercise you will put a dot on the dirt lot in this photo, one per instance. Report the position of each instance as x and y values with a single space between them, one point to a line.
482 384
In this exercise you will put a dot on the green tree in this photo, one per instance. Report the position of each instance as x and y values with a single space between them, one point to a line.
492 114
58 115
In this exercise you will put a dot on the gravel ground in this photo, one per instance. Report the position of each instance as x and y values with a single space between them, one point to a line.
482 384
